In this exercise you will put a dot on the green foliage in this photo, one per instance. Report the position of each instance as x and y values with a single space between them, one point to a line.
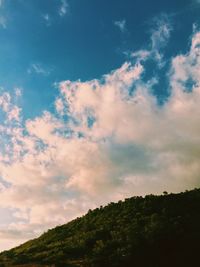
154 231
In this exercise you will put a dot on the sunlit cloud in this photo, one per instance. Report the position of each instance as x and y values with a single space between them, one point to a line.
107 139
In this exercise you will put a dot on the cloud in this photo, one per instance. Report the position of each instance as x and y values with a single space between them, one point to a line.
161 33
47 19
64 8
159 36
3 19
18 91
121 24
1 3
38 69
104 142
12 111
59 105
3 22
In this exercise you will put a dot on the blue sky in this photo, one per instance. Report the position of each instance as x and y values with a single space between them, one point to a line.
83 43
99 100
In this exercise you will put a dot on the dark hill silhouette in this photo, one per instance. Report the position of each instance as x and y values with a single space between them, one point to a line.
151 231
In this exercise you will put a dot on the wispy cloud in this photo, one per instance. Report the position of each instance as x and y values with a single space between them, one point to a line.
160 32
121 25
160 35
64 8
47 19
3 22
1 3
38 69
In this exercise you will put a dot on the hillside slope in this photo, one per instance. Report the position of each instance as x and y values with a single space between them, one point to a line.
153 231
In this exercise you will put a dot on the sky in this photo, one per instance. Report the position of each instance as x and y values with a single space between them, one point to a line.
99 101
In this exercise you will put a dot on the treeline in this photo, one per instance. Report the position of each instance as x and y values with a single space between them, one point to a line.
151 231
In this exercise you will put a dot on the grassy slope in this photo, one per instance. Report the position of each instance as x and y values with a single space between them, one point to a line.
153 231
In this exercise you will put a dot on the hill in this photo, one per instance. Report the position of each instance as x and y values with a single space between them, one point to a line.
151 231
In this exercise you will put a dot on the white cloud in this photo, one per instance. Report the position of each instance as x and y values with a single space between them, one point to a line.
3 22
1 3
64 8
38 69
115 143
12 111
18 91
160 35
59 105
47 19
121 24
3 19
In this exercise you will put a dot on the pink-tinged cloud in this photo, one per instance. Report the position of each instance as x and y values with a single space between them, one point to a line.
116 142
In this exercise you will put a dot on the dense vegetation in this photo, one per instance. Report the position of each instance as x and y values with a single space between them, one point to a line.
154 231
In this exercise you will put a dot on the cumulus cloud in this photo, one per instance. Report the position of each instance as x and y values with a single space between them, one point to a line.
108 139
